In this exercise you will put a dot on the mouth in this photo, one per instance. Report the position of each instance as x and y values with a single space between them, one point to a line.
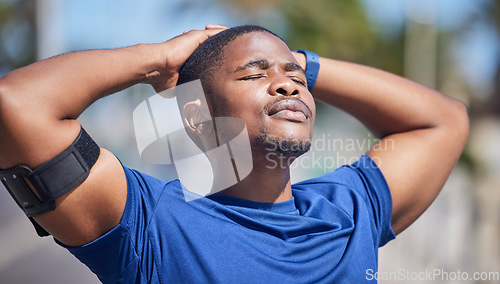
291 109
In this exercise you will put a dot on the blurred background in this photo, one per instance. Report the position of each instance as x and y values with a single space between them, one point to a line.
449 45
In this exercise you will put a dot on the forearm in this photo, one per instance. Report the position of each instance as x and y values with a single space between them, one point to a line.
384 102
39 102
64 85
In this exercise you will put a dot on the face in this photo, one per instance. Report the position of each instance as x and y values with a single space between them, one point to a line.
261 82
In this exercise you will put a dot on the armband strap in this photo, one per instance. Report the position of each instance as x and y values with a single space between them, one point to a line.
52 179
312 67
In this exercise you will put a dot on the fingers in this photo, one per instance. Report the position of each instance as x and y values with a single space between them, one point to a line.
208 27
178 49
211 27
203 33
213 31
301 58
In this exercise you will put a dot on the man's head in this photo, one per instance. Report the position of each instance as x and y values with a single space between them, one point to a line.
248 72
208 56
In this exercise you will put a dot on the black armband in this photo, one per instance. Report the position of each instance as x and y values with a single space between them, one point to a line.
52 179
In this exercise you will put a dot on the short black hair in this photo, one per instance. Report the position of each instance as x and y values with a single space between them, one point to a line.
209 55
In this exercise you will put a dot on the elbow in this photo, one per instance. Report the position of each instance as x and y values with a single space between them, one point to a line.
457 122
462 118
11 97
4 100
10 105
2 90
2 97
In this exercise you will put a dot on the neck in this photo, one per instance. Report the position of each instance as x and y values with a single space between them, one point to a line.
269 182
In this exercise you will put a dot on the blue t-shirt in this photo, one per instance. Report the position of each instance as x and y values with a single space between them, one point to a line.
329 232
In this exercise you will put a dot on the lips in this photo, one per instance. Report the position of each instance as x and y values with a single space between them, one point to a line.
291 109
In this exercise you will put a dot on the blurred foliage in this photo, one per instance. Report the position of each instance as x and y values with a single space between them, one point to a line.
337 29
334 29
17 34
341 29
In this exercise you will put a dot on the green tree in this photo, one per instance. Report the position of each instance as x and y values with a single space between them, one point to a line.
332 28
17 34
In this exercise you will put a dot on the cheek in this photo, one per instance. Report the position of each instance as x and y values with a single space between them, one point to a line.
234 99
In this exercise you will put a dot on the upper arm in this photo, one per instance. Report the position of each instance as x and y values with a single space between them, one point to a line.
92 208
85 212
417 163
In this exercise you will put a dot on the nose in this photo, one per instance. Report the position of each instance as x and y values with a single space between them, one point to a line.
284 86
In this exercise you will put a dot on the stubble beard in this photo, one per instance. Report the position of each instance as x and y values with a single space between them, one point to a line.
286 147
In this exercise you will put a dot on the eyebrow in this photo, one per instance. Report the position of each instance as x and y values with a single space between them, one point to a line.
290 66
264 64
261 64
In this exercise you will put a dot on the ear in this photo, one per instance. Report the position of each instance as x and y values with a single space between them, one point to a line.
196 118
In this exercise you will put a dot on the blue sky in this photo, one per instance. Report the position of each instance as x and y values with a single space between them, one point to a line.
103 23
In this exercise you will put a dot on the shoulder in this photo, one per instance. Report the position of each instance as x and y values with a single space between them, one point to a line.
144 191
359 189
359 175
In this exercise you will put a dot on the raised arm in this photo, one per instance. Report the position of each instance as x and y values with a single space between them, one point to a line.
38 107
422 132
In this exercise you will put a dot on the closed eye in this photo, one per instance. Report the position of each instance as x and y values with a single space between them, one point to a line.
298 81
252 77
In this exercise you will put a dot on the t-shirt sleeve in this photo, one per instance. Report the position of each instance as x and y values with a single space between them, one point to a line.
115 256
378 196
363 180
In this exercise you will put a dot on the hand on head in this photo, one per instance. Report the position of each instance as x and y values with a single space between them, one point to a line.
176 51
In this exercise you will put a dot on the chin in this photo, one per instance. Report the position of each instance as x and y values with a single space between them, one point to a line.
289 146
